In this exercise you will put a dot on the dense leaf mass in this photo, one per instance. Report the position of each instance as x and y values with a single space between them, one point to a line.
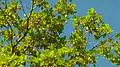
35 39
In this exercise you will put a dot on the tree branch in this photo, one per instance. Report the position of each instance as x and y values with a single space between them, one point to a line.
27 29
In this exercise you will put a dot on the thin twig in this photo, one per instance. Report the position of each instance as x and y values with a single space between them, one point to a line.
23 8
5 4
94 47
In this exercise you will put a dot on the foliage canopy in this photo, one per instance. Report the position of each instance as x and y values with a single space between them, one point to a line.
35 39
